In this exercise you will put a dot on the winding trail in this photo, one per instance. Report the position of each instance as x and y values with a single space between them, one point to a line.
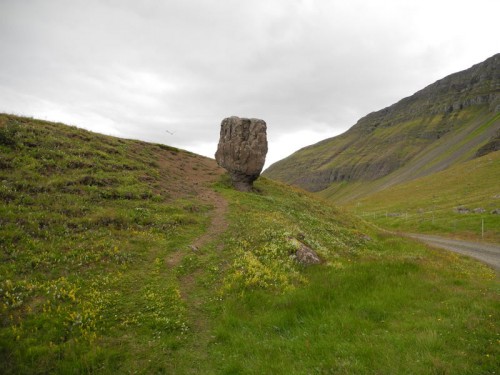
190 176
487 253
218 223
185 176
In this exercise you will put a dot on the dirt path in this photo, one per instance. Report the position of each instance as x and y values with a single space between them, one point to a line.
218 222
487 253
187 283
185 175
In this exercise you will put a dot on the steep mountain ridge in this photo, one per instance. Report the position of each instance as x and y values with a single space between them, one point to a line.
442 124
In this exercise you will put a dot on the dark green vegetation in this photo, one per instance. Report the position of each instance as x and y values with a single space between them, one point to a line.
446 123
97 275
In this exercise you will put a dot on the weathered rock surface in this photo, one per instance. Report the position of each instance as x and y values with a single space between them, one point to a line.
307 256
304 254
242 150
492 146
462 210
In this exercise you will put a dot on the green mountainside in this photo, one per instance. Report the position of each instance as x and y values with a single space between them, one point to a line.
120 256
448 122
443 203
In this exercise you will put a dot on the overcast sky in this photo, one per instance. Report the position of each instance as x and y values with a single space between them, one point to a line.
169 71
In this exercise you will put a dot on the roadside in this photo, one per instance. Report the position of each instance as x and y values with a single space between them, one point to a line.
487 253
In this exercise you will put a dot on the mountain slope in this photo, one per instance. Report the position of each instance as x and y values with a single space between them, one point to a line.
462 201
120 256
443 124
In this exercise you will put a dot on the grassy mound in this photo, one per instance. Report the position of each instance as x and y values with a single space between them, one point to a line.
99 272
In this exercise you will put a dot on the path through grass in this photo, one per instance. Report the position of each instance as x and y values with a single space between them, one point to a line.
98 273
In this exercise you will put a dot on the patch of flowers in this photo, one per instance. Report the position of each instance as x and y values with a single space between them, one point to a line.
268 230
160 310
72 310
264 261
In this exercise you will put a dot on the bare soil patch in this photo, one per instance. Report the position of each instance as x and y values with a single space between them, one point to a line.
185 175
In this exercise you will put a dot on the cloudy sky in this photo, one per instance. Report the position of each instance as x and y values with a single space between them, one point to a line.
169 71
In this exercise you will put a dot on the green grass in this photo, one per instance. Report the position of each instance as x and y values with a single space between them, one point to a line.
429 204
418 156
96 275
85 229
378 304
361 319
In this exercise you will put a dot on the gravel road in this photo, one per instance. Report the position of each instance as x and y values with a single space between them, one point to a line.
487 253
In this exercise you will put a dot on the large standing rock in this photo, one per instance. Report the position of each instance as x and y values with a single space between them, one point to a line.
242 150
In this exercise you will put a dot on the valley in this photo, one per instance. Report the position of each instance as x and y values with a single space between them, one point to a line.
121 256
426 164
461 202
445 124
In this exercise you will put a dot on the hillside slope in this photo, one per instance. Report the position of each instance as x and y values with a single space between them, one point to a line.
120 256
445 123
442 203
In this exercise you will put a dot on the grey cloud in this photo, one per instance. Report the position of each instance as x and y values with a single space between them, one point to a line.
137 69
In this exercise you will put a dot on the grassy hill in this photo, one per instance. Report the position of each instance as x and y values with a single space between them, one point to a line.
463 201
446 123
119 256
